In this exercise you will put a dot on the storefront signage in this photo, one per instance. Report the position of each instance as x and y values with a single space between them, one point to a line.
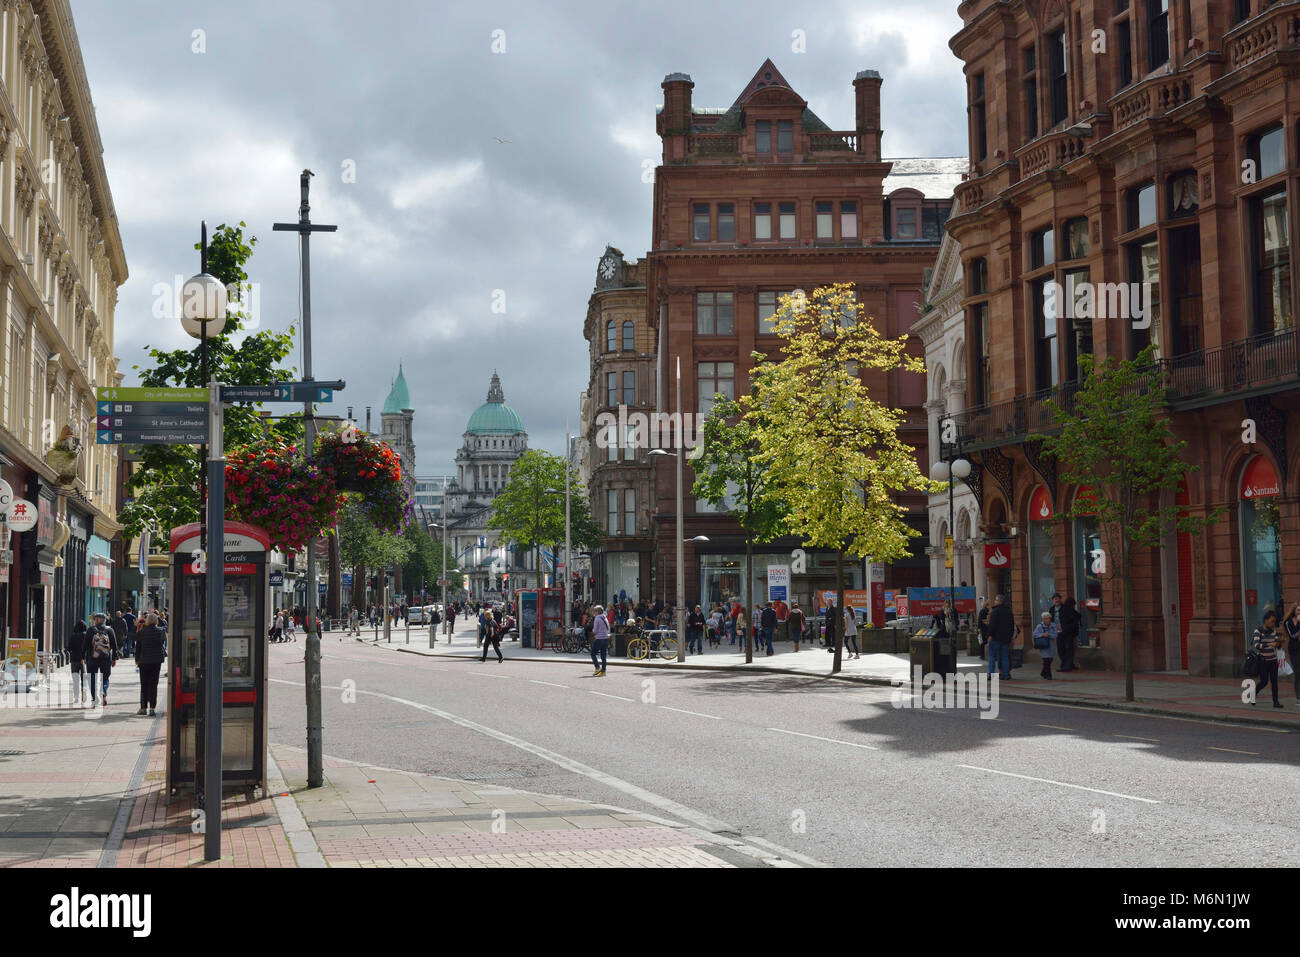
23 515
778 582
859 598
1040 505
20 652
6 497
902 607
997 556
930 601
1260 480
277 580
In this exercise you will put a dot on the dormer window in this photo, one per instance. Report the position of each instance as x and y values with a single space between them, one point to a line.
905 224
763 137
785 136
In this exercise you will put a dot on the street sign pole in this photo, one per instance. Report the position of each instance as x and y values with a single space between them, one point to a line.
311 660
216 566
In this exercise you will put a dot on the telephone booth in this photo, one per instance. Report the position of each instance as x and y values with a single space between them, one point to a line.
244 650
541 615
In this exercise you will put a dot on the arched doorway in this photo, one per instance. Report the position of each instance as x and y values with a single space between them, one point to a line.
1087 583
1261 542
1042 552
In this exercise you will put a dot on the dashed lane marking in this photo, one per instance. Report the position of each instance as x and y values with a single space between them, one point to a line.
712 717
1055 727
818 737
1136 737
551 684
1061 784
618 696
1232 750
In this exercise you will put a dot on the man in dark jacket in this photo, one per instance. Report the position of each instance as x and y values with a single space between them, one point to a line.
128 616
77 655
767 622
101 651
151 650
1066 641
1002 631
118 624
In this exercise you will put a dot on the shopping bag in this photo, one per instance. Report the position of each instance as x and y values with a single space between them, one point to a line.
1284 668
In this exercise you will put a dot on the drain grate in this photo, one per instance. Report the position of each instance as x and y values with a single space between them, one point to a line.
10 753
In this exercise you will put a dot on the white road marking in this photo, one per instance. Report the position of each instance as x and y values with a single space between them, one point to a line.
488 674
618 696
1136 737
549 683
1232 750
817 737
668 805
697 714
1055 726
1143 714
1063 784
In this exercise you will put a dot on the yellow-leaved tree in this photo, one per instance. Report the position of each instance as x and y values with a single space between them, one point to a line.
834 460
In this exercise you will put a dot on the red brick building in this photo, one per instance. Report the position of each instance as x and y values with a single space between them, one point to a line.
1138 141
753 201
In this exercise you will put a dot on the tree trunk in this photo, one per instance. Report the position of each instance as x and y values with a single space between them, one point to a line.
836 626
1128 616
749 603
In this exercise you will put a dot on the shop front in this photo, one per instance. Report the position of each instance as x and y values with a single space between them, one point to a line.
99 576
1040 539
722 577
1261 543
1087 553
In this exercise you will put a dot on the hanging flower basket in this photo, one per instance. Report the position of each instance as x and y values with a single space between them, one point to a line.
269 483
369 469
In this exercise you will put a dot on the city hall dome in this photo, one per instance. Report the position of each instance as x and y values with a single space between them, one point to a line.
494 417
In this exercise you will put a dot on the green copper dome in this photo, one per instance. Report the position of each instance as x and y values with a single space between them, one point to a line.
400 397
494 417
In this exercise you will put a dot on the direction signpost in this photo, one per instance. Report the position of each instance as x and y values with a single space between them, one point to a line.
148 416
282 392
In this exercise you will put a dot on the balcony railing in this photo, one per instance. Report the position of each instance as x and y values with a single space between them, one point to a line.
844 142
1049 152
715 144
1274 30
1260 364
1153 97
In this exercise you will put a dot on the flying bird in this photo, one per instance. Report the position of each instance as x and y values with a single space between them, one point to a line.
500 140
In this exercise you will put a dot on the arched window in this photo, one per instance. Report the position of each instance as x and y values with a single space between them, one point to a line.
629 339
610 337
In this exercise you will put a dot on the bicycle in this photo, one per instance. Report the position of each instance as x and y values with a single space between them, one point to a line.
573 642
648 643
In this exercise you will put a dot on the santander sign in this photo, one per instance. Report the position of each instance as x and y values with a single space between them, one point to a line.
1259 480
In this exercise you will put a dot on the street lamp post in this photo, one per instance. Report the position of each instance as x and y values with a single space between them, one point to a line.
443 526
951 466
204 302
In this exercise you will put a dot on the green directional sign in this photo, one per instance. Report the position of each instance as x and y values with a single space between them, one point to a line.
282 392
152 408
179 436
121 394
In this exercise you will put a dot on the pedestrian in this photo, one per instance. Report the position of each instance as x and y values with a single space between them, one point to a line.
435 619
1002 631
77 655
151 651
289 625
482 628
491 636
715 627
599 640
1293 647
118 624
131 626
354 622
1067 640
767 627
1266 641
1044 640
451 620
101 652
695 631
742 629
851 629
982 623
796 624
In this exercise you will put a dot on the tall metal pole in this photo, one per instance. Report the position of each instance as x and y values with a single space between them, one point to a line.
568 545
201 690
212 677
681 530
445 576
311 659
952 567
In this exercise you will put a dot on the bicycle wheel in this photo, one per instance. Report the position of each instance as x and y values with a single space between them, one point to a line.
570 645
667 648
638 649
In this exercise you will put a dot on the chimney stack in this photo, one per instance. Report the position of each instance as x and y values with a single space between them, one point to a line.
367 420
675 120
866 86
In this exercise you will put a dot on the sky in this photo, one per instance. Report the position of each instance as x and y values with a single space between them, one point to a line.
456 254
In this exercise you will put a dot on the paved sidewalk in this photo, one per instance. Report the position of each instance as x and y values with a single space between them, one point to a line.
84 787
1155 692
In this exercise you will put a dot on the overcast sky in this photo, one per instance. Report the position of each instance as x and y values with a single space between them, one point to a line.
441 215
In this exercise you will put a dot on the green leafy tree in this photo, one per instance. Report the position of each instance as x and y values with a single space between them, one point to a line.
423 565
1115 438
529 514
165 488
831 451
727 473
363 546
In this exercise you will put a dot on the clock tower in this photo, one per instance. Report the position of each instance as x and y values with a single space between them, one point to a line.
609 271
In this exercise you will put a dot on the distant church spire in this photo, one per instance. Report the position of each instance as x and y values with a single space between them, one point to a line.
494 390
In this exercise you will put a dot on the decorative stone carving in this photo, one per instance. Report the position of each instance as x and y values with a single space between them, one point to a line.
1000 467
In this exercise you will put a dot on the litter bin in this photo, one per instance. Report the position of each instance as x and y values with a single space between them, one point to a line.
922 648
619 638
945 656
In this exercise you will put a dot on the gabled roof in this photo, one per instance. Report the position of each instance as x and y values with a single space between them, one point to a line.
767 75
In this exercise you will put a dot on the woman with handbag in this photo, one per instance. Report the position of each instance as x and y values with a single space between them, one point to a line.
1265 642
1293 647
1044 638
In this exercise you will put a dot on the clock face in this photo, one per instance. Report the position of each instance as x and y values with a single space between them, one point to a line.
608 266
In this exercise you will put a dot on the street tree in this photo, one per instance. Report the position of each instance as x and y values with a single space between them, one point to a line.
529 511
828 444
727 473
1114 437
164 490
363 546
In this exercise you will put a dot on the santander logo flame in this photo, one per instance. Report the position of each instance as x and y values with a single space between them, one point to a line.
998 558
